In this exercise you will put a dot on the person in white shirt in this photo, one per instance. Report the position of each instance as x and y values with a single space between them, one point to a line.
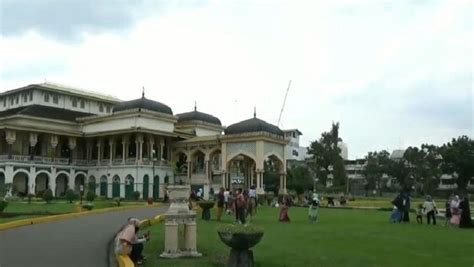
252 209
430 210
226 199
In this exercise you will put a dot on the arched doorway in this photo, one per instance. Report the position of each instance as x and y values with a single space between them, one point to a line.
129 186
156 187
103 186
273 167
91 184
20 182
146 182
61 185
79 184
198 165
241 170
41 183
116 186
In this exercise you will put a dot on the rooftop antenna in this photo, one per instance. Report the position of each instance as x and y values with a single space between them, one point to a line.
195 105
254 111
143 91
284 102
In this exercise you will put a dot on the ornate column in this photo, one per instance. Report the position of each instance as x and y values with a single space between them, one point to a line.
111 149
162 148
259 184
282 190
72 143
89 150
124 148
140 144
33 142
99 150
151 144
54 143
10 137
189 170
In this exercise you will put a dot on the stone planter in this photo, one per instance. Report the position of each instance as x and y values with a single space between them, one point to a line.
206 207
240 240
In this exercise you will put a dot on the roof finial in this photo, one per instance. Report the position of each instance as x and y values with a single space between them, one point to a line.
143 91
195 105
254 112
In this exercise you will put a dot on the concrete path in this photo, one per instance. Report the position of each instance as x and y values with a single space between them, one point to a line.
74 242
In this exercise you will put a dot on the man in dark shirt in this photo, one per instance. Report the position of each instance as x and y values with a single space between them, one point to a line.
220 203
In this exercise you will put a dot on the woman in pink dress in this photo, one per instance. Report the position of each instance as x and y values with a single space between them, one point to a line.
284 210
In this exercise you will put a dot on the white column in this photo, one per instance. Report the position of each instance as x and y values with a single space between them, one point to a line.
52 181
33 142
72 143
54 143
124 148
111 149
99 149
10 137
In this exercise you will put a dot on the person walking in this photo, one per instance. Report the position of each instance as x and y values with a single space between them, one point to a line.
220 203
465 221
430 209
240 205
447 211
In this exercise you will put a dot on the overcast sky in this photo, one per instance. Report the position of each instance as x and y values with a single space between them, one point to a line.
393 73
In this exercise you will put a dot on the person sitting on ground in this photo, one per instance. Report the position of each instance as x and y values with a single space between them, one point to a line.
342 201
419 214
128 243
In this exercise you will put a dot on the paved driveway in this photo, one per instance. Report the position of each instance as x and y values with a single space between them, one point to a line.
74 242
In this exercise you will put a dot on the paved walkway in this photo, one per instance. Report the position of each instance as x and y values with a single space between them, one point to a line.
74 242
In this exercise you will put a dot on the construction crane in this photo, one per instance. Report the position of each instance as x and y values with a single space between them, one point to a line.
284 102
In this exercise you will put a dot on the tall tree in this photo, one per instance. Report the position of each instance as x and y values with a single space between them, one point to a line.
377 164
271 177
458 156
299 179
325 153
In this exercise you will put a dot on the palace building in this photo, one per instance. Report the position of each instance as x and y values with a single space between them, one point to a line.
57 137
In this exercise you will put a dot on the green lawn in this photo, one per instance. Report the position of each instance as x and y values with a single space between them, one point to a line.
341 238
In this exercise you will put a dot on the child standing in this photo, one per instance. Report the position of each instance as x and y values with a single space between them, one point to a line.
419 214
313 210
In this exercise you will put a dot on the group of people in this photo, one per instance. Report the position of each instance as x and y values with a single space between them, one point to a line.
457 210
243 203
313 208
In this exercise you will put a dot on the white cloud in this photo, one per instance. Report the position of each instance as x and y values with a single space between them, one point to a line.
231 56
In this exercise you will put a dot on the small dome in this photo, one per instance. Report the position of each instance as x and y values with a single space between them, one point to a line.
143 103
198 116
253 125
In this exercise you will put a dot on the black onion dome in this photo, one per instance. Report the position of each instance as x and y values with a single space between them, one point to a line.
143 103
198 116
253 125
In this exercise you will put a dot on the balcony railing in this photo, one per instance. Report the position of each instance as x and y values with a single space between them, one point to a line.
81 162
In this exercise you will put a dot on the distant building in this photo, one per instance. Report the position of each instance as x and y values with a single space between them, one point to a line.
293 150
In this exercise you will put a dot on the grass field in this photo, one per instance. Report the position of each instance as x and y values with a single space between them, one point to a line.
341 238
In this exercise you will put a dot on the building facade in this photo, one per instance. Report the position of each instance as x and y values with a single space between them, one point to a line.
57 137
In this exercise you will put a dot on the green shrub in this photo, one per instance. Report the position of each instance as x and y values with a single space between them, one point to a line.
136 195
3 205
48 195
70 195
90 196
117 201
240 228
88 206
30 196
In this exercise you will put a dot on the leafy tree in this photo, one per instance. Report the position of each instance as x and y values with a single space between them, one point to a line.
326 153
299 179
399 169
48 195
377 164
70 195
339 172
458 156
